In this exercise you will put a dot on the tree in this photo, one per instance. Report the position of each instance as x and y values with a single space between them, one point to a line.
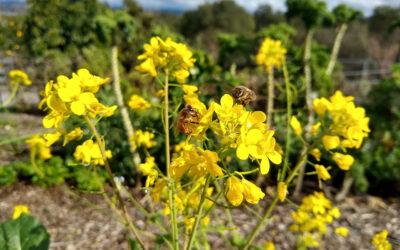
264 16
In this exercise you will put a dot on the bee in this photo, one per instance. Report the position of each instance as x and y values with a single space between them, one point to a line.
187 117
244 95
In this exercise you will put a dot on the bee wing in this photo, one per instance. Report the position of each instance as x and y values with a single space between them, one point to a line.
227 88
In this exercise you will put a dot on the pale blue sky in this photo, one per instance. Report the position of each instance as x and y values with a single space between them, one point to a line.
366 6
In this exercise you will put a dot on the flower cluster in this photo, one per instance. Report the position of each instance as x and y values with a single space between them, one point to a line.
166 56
142 138
73 96
137 102
347 121
312 217
17 77
380 242
89 152
247 133
271 54
237 189
148 169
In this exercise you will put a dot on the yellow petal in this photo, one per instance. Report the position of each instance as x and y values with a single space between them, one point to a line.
242 152
264 167
78 108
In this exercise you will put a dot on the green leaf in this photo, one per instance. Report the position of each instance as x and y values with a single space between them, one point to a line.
24 233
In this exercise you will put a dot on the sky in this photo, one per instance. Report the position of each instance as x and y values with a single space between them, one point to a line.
367 6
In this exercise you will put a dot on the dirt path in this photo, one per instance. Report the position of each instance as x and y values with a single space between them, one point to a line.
74 225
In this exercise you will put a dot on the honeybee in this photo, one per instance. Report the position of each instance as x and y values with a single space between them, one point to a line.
187 117
244 95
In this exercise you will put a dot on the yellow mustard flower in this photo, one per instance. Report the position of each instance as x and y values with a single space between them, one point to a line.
342 231
252 193
282 190
343 161
20 209
73 96
234 191
160 93
189 89
296 126
315 129
380 242
269 245
330 142
322 172
271 54
167 56
19 33
308 240
316 153
321 105
148 169
89 152
143 138
75 134
18 77
137 102
39 146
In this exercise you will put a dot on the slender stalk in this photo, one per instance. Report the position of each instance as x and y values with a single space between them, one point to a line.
270 101
13 93
121 105
288 116
346 185
198 214
171 189
113 184
336 48
310 117
33 162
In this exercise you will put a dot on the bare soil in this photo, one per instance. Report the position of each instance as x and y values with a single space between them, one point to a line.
73 224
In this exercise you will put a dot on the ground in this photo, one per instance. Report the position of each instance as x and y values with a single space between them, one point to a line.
74 224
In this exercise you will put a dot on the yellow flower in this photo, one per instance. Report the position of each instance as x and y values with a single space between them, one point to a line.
18 77
137 102
75 134
148 169
9 52
330 142
189 89
160 93
308 241
51 138
143 138
167 56
343 161
16 47
316 153
322 172
296 126
315 129
19 33
234 191
269 245
73 96
39 146
342 231
252 193
271 54
321 106
20 209
89 152
380 242
282 189
158 189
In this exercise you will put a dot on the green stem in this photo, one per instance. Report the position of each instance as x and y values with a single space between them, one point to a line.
198 214
276 198
288 116
113 184
270 101
310 117
13 93
171 183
